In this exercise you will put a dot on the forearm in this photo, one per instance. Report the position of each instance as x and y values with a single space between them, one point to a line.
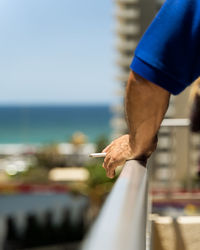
145 105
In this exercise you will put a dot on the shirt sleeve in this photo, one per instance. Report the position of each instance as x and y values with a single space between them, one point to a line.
169 52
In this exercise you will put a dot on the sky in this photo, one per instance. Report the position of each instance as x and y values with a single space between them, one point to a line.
57 52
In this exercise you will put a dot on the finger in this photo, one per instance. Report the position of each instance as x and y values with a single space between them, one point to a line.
113 164
110 170
112 173
106 161
107 148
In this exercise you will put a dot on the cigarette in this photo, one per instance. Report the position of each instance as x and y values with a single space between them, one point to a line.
98 155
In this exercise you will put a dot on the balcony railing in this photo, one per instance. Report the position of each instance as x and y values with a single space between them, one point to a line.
127 13
127 1
123 218
128 29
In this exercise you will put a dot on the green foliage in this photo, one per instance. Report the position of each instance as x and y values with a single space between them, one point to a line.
34 174
98 174
101 142
48 156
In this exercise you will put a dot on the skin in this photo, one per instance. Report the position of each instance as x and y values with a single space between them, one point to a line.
145 107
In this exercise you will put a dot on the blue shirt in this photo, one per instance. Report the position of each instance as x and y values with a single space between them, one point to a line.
169 52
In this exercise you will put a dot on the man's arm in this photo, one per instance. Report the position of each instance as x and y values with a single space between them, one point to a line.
167 55
146 105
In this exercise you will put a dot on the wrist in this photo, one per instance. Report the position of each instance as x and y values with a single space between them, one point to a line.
131 141
141 148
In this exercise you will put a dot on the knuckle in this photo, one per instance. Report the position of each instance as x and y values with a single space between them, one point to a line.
115 158
108 157
112 165
105 166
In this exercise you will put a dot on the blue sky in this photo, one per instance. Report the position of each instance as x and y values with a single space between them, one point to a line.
56 51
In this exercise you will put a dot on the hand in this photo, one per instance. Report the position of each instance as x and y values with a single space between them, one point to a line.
116 154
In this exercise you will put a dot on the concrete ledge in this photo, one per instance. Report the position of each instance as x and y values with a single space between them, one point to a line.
182 233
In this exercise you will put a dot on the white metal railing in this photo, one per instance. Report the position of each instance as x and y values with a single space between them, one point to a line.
181 122
122 220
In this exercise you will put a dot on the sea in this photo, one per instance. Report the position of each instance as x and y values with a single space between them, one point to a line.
53 124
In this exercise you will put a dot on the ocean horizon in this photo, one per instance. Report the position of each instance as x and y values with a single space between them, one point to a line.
38 124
